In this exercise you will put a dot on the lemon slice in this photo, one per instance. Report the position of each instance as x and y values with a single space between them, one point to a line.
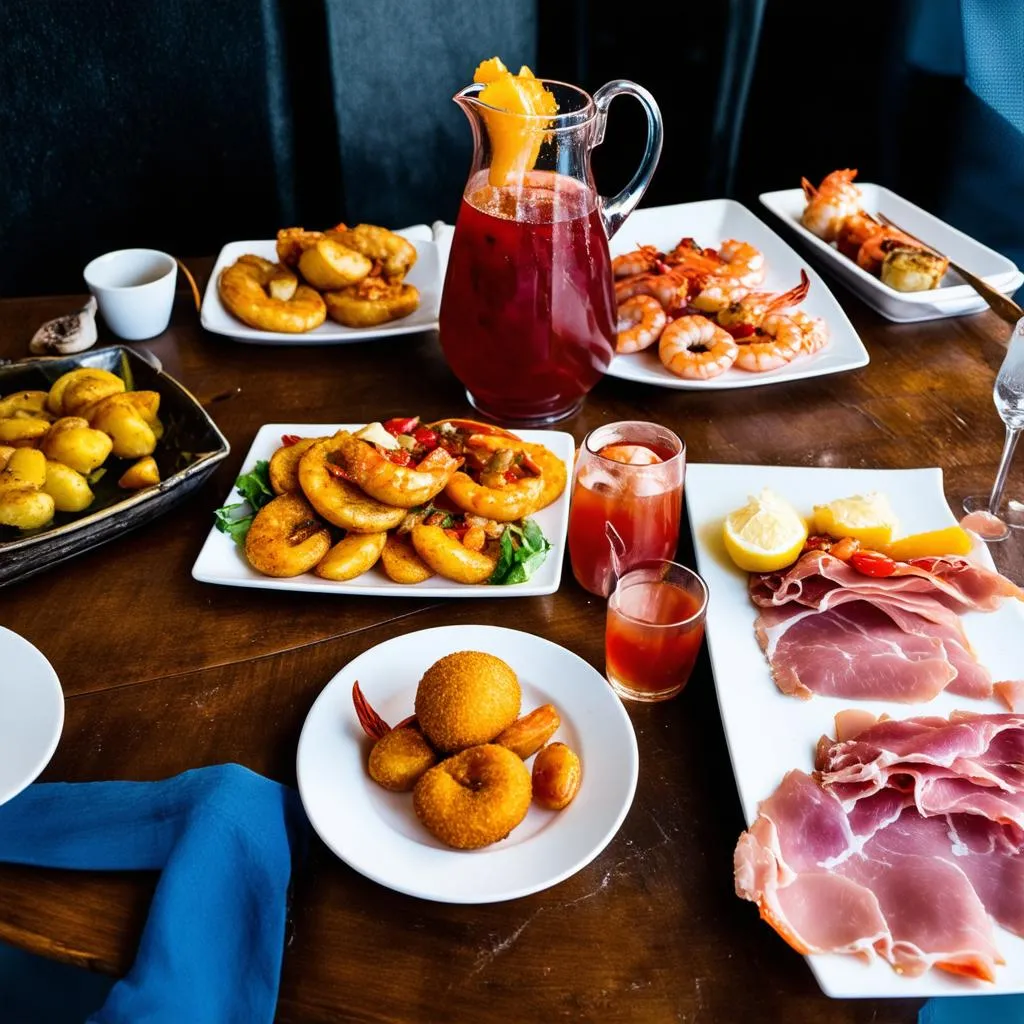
765 534
868 518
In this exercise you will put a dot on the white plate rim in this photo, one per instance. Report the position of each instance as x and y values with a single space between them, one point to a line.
837 976
629 368
557 859
46 694
215 318
554 520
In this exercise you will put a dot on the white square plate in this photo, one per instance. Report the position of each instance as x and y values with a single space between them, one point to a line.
769 733
223 561
710 222
951 298
425 275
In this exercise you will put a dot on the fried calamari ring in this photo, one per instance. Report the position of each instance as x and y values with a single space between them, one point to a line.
553 473
243 289
286 538
474 798
399 758
504 504
395 253
283 468
380 478
372 301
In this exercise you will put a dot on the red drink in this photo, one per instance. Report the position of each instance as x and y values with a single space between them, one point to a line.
527 316
654 631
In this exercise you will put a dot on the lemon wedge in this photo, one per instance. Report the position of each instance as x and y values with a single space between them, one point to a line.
765 534
950 540
865 517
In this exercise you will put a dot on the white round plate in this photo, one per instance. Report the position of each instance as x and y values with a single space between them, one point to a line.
377 833
31 713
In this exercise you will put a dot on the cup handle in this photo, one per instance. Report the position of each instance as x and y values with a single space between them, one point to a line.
615 210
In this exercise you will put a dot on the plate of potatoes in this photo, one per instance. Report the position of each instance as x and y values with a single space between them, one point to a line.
92 445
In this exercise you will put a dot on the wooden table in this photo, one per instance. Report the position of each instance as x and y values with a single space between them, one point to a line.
162 674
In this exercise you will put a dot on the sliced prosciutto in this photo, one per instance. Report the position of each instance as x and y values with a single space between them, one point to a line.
905 844
826 628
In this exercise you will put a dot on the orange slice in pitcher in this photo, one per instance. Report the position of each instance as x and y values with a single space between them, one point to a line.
630 454
515 142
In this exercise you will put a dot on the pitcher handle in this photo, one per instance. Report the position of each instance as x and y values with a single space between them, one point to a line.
615 210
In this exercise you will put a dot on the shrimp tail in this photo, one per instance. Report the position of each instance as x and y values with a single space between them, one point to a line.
809 190
794 295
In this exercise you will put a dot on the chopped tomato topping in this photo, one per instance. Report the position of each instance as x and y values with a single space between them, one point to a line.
290 439
437 459
338 471
401 425
426 438
399 456
872 563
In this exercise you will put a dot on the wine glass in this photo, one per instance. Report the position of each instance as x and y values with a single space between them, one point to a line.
1008 395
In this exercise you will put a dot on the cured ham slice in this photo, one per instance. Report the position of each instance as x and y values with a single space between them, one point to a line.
905 844
826 628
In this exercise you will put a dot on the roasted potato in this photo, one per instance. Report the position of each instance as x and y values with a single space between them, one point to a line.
338 501
128 420
23 430
144 473
328 264
401 563
450 558
33 402
26 468
286 538
70 490
352 556
85 392
55 399
72 441
284 465
6 451
25 508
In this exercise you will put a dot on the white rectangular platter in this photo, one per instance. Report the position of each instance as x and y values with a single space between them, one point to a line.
710 222
425 275
222 561
769 733
952 298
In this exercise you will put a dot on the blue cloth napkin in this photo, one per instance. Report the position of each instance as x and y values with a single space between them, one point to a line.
223 839
973 1010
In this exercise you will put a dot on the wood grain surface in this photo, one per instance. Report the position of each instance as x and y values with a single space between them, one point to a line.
162 674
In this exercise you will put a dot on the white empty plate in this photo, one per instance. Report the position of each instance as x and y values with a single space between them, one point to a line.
711 222
951 298
377 833
31 713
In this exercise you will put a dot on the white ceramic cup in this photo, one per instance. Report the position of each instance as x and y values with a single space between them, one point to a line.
135 290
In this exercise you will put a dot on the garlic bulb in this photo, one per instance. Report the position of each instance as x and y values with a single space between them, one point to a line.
67 334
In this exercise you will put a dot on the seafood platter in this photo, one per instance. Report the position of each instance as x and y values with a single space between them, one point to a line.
330 287
709 297
894 271
863 679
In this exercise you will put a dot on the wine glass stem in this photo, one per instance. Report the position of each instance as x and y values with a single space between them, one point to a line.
1012 435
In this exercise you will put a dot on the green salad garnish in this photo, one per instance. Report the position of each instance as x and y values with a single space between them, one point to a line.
254 486
523 550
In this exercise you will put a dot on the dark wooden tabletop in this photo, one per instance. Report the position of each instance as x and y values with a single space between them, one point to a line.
162 674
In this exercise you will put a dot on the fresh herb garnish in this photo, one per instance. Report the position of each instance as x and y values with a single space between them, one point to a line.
255 488
523 550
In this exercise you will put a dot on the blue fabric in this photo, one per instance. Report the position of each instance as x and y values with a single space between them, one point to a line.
993 53
973 1010
223 838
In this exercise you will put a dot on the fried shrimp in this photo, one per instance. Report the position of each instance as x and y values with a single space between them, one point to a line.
243 289
641 320
395 254
466 698
399 758
286 538
388 482
494 496
644 260
671 289
776 342
474 798
741 263
813 331
751 310
371 301
828 205
695 348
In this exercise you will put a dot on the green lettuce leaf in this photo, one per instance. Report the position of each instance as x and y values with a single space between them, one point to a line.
235 519
523 550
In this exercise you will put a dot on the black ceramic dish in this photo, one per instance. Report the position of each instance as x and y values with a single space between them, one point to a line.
186 455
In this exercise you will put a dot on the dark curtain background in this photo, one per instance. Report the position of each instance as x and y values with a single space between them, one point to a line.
182 124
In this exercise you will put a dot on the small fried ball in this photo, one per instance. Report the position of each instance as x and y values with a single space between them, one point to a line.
399 758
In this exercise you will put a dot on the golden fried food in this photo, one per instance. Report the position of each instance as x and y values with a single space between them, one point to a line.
526 735
913 269
395 254
70 490
466 698
25 508
450 558
283 469
395 485
399 758
553 473
55 398
129 420
328 265
31 402
282 283
144 473
492 495
293 242
401 563
338 501
23 431
286 538
474 798
72 441
26 468
351 557
372 301
556 778
243 289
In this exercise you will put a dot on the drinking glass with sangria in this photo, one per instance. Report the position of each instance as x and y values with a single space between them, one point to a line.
527 319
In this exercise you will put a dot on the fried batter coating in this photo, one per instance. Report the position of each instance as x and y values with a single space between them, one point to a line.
474 798
467 698
399 758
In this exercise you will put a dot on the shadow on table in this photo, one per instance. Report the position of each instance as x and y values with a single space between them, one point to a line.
34 990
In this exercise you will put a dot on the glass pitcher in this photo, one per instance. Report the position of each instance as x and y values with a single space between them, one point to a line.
528 319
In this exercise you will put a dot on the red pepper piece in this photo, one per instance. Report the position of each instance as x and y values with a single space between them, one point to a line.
425 438
401 425
338 471
373 725
872 563
399 456
289 439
